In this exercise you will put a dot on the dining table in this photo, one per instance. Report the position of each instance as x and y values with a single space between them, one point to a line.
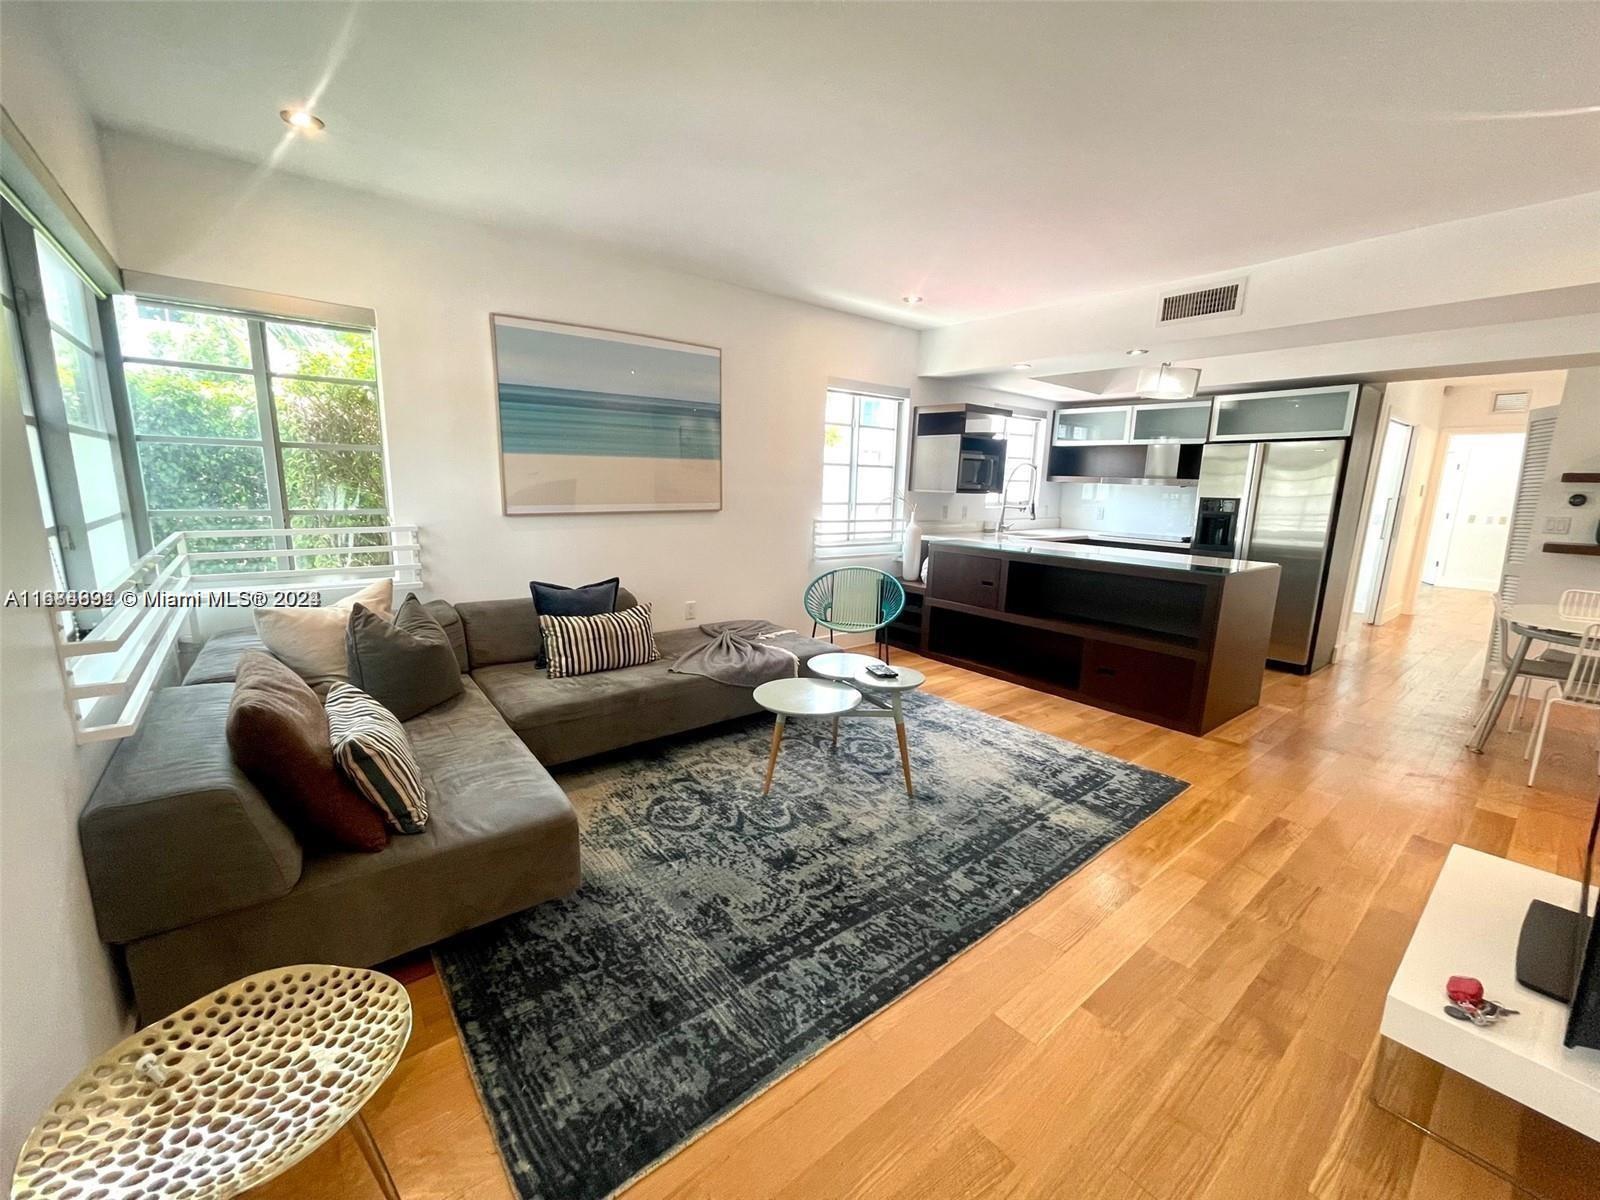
1530 623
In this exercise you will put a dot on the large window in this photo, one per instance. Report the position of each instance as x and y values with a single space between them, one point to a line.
242 422
16 375
1024 440
53 319
861 460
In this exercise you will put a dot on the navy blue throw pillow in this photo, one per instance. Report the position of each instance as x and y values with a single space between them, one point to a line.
553 600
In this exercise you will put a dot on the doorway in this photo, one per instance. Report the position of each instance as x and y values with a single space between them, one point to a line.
1472 518
1383 519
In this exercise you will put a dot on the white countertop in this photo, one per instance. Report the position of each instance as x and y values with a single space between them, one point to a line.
1470 927
1062 535
1069 543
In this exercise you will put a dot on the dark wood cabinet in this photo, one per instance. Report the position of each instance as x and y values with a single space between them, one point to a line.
971 579
1176 643
1137 680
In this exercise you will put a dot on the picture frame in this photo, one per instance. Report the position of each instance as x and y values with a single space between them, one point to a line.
592 420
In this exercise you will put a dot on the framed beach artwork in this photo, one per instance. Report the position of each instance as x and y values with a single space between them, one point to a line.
594 420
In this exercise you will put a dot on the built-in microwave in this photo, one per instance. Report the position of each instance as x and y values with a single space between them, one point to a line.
980 465
958 448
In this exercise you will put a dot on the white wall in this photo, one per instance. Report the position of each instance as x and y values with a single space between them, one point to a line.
43 100
1576 448
433 281
59 1000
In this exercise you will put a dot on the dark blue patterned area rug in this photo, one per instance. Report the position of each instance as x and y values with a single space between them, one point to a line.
722 938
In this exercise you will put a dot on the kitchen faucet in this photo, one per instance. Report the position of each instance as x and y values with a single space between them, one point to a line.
1006 505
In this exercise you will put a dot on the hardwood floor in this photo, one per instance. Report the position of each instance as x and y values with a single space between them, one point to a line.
1192 1015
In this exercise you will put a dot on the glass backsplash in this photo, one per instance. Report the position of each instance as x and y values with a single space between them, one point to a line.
1154 511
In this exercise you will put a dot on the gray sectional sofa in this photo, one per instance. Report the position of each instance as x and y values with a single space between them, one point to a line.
196 881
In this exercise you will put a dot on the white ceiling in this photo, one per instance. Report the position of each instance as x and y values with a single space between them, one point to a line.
991 157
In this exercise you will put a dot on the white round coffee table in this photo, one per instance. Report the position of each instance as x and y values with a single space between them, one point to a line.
879 697
882 696
802 697
225 1094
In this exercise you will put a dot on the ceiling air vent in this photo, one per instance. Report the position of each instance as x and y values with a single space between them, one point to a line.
1223 300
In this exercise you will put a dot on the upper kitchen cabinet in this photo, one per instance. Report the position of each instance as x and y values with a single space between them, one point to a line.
1092 426
1324 412
1187 422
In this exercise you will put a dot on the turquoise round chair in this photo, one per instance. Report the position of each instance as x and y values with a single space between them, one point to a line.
855 600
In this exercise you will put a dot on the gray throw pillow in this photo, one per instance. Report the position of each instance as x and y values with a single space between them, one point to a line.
407 665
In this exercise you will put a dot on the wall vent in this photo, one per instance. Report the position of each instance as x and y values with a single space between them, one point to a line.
1510 402
1222 300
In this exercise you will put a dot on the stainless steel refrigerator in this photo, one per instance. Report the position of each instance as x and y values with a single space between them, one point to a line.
1295 506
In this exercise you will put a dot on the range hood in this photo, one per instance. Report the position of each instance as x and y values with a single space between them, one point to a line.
1163 463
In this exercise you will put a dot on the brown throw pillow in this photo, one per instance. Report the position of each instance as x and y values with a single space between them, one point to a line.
278 733
406 664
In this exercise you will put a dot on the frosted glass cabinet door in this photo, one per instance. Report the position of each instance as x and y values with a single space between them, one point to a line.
1299 413
1171 422
1091 426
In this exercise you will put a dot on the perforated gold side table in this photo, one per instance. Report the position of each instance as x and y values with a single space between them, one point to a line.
226 1093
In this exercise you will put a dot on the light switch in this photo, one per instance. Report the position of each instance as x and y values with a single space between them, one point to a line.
1558 524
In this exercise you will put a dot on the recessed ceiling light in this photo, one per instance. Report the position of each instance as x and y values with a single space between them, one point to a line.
911 299
1136 351
1022 366
299 118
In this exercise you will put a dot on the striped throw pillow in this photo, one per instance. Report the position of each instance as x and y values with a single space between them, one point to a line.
371 748
603 642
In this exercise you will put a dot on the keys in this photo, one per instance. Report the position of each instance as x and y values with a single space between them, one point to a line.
1468 1003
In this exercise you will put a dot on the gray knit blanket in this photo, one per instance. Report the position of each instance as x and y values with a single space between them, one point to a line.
741 654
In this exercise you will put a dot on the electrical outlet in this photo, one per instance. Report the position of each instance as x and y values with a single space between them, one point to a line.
944 512
1558 524
689 609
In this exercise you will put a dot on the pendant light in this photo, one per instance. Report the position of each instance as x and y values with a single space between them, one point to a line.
1168 382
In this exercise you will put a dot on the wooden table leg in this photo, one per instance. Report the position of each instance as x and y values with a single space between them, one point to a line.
836 733
772 759
905 753
374 1157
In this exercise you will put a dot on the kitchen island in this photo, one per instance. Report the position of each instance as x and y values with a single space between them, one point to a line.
1176 639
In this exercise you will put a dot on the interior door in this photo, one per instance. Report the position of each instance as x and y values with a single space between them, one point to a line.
1383 518
1451 479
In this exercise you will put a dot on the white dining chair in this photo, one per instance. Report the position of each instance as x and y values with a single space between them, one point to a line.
1581 603
1550 667
1581 689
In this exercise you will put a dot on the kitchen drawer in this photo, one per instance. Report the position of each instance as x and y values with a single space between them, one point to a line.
1141 680
965 579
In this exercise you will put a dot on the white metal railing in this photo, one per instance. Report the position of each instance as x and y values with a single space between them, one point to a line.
111 674
834 537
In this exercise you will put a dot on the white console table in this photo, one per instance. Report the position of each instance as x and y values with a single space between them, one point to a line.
1470 926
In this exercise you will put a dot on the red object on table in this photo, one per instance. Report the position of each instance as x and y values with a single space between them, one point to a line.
1464 989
